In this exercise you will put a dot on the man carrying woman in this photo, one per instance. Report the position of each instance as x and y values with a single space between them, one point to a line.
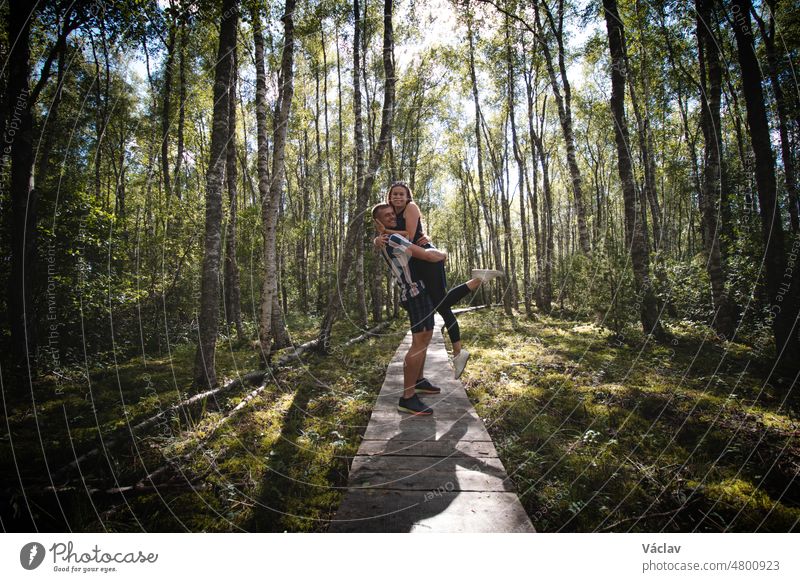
421 297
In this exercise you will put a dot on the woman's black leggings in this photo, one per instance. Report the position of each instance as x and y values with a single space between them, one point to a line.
432 274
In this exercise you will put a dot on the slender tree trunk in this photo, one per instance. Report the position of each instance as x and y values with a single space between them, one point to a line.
511 292
545 295
324 198
181 108
648 193
710 97
303 243
564 106
641 108
271 325
340 196
634 234
785 103
205 375
483 202
466 218
533 192
100 127
233 309
324 271
262 168
361 203
526 265
547 227
165 109
783 287
378 276
19 134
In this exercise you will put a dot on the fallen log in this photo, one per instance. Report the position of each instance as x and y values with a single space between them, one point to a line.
475 308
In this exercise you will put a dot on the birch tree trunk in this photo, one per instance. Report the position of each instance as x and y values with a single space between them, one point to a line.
271 326
233 309
358 48
634 235
205 375
526 264
482 201
564 106
533 191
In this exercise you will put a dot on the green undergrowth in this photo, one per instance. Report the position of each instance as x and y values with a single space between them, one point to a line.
277 465
603 433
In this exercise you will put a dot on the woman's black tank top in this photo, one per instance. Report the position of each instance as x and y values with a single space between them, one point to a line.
401 225
432 274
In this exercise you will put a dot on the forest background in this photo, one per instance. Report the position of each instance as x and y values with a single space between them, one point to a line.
188 255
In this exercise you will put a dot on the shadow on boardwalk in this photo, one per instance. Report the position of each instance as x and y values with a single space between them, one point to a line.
438 473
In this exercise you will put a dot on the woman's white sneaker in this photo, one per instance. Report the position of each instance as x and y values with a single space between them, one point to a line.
460 362
486 274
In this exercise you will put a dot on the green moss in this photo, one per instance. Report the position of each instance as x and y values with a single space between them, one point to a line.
280 464
751 507
599 434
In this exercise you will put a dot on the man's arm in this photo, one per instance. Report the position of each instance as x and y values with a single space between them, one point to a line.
403 233
387 231
429 255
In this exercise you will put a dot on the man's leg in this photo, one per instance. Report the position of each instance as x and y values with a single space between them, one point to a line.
420 311
414 360
421 373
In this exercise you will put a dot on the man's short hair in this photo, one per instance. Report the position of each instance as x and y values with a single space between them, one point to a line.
378 207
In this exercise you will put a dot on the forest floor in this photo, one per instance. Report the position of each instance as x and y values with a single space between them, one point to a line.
600 434
597 434
280 464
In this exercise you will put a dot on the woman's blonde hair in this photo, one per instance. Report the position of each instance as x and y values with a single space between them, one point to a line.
401 184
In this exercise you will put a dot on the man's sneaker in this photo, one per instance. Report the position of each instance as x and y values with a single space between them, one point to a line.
460 362
486 274
423 386
413 406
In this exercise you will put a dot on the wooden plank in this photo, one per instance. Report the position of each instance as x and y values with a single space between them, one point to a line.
456 473
421 428
377 510
428 448
394 417
437 402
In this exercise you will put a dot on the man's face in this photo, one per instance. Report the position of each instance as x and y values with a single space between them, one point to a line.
387 217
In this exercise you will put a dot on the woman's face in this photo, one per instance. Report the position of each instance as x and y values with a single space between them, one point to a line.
398 197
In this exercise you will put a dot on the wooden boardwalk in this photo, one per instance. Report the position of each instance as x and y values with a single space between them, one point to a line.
437 473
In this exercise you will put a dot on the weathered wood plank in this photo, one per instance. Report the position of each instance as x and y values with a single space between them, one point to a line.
418 428
456 473
428 448
445 401
377 510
